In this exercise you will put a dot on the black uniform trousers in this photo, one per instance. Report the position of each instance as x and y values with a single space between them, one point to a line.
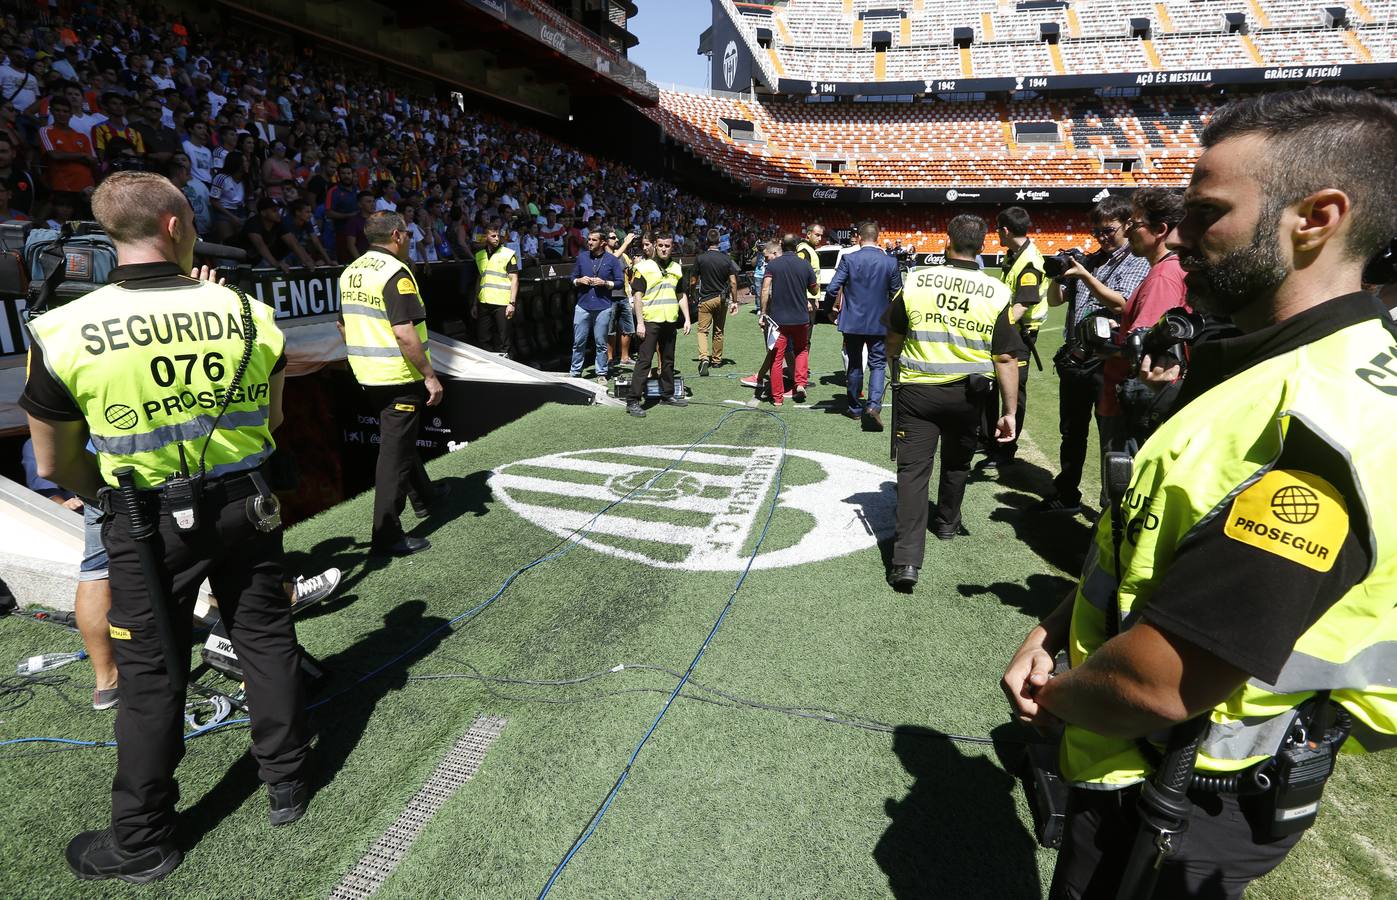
926 413
658 336
492 328
244 568
1076 407
990 413
1217 857
399 473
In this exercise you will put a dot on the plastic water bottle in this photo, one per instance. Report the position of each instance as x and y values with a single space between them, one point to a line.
43 663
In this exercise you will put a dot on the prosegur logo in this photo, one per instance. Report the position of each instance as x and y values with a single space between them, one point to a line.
553 38
730 63
1295 504
824 194
707 513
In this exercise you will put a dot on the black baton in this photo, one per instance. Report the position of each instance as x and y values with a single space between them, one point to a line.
895 370
143 533
1164 809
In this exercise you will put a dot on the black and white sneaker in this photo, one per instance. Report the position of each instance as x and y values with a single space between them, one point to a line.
312 590
703 368
94 856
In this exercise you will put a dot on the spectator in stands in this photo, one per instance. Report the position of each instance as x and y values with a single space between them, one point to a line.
196 147
229 197
870 279
7 212
277 172
1107 280
353 242
18 84
68 157
341 205
787 287
161 143
116 126
300 223
715 276
550 236
595 275
19 182
416 250
1155 213
195 192
269 242
62 208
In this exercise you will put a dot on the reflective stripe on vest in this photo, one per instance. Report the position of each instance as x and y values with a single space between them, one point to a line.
1185 477
1030 256
495 282
372 346
661 296
951 313
149 370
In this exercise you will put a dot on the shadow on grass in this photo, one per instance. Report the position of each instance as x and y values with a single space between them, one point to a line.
957 833
1059 540
340 723
469 495
1037 597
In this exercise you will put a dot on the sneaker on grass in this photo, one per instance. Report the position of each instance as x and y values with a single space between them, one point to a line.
310 591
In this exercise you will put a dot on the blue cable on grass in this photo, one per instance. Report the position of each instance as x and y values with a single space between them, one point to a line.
674 694
564 547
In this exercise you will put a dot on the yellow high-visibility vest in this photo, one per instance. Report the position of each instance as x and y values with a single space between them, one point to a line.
661 296
374 354
951 314
494 276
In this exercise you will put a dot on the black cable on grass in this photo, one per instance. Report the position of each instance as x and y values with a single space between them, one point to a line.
17 691
725 699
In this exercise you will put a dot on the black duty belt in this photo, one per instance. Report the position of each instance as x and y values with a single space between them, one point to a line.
215 492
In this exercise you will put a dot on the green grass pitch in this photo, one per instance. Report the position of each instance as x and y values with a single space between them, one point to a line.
727 801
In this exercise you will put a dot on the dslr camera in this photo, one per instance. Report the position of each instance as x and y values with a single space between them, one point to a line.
1055 265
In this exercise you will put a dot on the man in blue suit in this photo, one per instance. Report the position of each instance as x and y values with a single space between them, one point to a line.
870 279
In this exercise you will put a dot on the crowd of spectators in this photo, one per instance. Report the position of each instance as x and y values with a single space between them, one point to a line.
285 154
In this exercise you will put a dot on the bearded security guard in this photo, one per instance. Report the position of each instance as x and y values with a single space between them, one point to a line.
177 382
497 291
1250 590
1024 276
657 291
951 340
383 323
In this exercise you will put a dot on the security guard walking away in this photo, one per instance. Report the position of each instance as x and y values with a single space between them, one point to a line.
385 333
808 251
1023 274
1248 590
951 340
657 290
177 382
497 291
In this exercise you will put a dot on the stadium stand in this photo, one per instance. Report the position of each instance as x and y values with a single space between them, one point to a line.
458 166
831 39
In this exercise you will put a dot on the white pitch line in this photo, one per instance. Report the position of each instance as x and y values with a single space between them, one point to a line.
599 492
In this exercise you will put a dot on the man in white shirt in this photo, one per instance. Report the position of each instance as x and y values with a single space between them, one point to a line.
196 147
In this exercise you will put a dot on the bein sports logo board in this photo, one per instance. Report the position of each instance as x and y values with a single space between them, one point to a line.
707 513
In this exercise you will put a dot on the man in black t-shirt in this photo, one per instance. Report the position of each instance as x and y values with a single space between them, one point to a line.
267 239
716 277
786 290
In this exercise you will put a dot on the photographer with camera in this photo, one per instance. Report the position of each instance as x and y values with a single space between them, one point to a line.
1104 280
1245 608
1155 213
177 383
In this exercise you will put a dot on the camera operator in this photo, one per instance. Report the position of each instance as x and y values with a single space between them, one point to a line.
126 367
1105 279
1155 213
1245 606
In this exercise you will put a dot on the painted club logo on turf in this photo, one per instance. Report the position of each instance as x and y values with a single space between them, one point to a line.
708 512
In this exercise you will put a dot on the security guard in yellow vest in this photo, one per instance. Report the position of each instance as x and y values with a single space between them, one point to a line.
168 375
806 250
657 291
951 341
1251 587
1023 275
497 292
384 326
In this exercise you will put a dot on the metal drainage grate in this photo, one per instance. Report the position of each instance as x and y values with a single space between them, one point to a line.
459 765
